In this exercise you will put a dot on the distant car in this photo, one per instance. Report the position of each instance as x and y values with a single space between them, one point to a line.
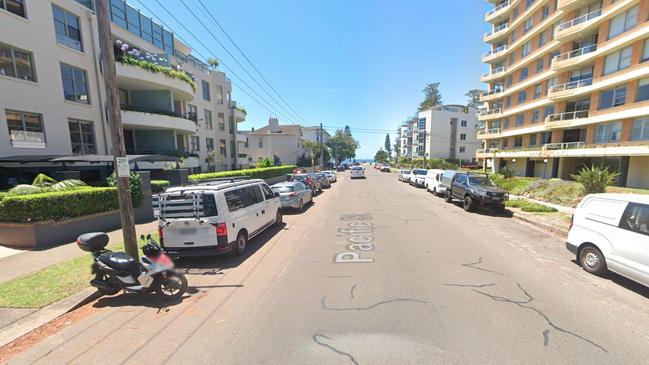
358 172
611 232
476 190
385 168
404 175
293 194
309 181
418 178
377 166
432 180
340 168
324 180
330 175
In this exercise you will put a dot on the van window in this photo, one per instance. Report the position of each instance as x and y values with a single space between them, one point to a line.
235 199
636 218
256 191
269 193
185 205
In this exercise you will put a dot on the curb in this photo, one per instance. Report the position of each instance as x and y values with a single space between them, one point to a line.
543 226
44 315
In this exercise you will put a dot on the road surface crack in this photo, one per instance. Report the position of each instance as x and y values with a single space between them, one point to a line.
470 285
473 265
317 339
395 300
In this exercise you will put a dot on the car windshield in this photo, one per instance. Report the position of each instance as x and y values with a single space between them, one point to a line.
480 180
300 177
406 172
419 172
283 189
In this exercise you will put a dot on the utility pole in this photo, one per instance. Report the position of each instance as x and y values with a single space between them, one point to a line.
425 137
321 150
115 123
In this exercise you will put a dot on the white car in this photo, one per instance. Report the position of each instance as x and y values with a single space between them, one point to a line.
215 217
611 232
418 177
432 180
404 175
358 172
331 176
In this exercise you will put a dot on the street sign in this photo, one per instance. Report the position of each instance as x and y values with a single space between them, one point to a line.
122 167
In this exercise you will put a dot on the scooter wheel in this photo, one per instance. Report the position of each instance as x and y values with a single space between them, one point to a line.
171 287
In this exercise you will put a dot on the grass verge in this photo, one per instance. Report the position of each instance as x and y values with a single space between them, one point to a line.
528 206
51 284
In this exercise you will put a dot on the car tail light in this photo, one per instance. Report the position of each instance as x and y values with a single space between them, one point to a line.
161 236
292 195
221 230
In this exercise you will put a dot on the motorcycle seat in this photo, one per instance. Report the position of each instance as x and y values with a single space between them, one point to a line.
120 261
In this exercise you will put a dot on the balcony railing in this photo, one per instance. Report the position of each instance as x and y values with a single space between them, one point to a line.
488 150
563 146
489 131
499 7
491 111
579 20
494 71
571 85
577 114
491 92
136 108
495 51
497 29
575 53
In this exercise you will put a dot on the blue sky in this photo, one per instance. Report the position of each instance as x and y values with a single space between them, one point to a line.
361 63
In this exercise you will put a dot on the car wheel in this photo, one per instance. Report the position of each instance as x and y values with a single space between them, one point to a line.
592 260
448 197
240 244
301 206
468 204
278 217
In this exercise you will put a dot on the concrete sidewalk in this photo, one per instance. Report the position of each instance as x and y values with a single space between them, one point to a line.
26 262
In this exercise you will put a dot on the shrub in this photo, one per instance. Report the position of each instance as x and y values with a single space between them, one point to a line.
3 194
514 185
155 68
267 162
528 206
507 172
595 179
258 173
57 204
158 186
556 191
135 186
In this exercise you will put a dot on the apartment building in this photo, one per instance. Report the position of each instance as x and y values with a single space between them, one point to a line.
313 134
283 143
568 87
53 94
444 131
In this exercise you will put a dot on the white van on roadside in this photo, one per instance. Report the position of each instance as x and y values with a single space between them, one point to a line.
215 217
611 232
433 178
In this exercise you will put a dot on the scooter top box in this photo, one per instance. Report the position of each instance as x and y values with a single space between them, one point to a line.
91 242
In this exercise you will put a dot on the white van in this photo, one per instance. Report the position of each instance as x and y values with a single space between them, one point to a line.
433 178
215 217
611 232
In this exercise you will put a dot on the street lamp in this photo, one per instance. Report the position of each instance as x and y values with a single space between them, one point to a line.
545 166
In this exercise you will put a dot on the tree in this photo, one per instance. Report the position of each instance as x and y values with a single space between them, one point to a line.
433 96
313 150
381 156
213 62
474 97
343 145
595 179
388 146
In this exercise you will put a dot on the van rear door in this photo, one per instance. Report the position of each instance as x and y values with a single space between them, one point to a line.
188 219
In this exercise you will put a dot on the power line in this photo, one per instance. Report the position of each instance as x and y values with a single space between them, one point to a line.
234 58
247 59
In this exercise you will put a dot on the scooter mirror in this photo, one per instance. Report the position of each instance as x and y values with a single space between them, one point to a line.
141 236
148 236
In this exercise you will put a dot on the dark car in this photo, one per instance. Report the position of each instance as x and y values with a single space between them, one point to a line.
340 168
476 190
324 180
309 181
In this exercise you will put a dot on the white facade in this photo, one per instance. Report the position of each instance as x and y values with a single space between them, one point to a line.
283 141
313 134
53 92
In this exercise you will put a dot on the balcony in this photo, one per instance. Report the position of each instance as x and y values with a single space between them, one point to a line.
489 133
562 120
567 5
491 112
238 112
138 78
496 33
144 118
491 94
494 54
494 73
563 146
577 25
568 89
499 12
571 58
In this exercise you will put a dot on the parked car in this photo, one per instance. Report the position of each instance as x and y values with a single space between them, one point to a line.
358 172
324 180
385 168
445 181
418 177
404 175
331 176
432 180
215 217
340 168
611 232
309 181
293 194
476 190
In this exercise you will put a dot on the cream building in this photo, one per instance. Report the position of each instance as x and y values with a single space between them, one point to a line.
568 87
284 141
53 93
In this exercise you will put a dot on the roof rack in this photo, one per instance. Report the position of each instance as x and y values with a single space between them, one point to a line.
221 180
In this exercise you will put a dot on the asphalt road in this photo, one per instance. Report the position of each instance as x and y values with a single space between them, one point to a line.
375 272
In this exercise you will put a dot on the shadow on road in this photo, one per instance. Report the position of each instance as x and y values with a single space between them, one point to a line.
294 211
623 282
487 211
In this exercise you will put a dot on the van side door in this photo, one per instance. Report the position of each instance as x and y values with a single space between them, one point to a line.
631 242
239 217
272 203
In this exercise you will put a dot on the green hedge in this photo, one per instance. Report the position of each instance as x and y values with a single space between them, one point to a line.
57 205
159 185
3 194
528 206
260 173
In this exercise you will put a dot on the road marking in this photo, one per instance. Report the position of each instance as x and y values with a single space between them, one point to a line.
360 235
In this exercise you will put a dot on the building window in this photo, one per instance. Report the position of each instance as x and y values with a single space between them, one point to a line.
192 112
219 94
535 116
543 37
552 82
523 74
506 123
16 63
221 121
612 97
75 84
504 143
537 90
462 137
209 144
522 96
623 22
14 6
642 93
422 123
261 142
82 137
640 131
645 54
532 140
25 129
462 149
539 65
608 132
205 86
207 116
548 110
195 143
463 123
526 49
519 120
529 23
518 141
617 61
546 137
222 149
68 28
545 11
